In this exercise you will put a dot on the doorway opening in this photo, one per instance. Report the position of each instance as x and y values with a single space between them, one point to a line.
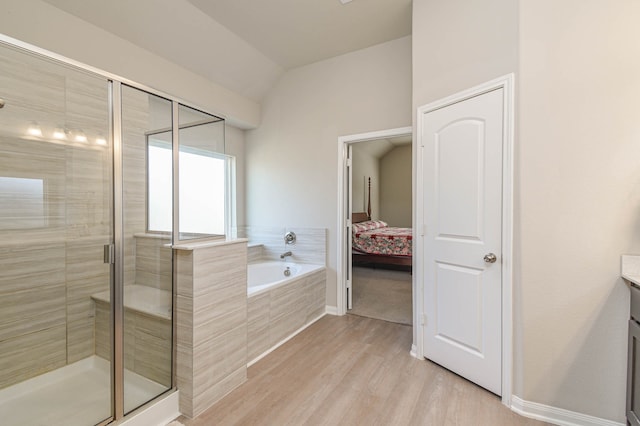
375 226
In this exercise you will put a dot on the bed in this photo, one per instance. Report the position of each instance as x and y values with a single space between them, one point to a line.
374 243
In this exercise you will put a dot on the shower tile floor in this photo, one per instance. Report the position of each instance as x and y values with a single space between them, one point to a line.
76 395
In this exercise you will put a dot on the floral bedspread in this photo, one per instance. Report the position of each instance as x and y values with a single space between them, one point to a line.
375 237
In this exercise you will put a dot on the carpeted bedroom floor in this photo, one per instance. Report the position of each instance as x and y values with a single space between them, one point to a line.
382 294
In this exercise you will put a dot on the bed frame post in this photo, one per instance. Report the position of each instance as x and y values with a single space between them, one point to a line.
369 203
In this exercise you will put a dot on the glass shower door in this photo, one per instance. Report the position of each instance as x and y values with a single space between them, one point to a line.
146 238
55 219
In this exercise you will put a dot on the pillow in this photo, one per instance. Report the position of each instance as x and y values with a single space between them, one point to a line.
368 226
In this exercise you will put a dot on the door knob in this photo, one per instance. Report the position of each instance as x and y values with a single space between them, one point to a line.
490 258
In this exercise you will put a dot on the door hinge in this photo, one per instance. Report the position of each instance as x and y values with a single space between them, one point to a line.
348 223
349 162
424 320
423 231
109 254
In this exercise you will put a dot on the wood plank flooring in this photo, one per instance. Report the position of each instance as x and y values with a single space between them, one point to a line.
352 370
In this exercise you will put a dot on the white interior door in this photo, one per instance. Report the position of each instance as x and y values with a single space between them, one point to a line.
462 163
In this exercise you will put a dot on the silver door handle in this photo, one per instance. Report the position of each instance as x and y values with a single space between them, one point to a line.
490 258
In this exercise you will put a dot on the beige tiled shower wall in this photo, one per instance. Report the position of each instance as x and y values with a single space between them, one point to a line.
49 272
153 261
32 302
310 245
51 266
136 121
147 342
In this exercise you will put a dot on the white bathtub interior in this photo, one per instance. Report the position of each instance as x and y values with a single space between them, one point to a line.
264 275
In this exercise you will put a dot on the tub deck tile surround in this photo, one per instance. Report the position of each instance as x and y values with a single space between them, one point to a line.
258 340
254 253
211 321
316 296
310 245
270 237
278 313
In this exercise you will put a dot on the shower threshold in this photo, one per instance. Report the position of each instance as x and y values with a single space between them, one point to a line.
78 394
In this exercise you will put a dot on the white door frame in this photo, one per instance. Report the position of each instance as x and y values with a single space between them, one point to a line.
507 84
343 144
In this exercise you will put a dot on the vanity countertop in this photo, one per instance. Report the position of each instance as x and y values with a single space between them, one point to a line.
631 269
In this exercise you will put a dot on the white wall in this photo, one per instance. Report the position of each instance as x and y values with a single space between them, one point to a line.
577 188
235 145
40 24
395 187
365 166
292 158
458 44
579 197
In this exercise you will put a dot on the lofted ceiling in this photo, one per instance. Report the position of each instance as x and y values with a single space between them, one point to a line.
378 148
246 45
298 32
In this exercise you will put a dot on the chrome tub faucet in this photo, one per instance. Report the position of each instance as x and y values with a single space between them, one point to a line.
286 254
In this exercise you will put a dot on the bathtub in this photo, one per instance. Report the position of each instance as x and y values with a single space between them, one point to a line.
263 276
279 307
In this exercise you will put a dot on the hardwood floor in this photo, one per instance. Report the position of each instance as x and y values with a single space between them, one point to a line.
352 370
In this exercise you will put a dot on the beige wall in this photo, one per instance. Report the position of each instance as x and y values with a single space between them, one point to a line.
458 44
292 158
395 187
41 24
365 166
234 145
578 199
576 187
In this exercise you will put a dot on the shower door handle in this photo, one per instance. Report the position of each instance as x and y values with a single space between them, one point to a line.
109 253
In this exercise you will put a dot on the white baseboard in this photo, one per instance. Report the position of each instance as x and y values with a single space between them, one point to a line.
331 310
558 416
414 351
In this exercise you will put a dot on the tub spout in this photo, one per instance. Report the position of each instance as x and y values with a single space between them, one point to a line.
285 254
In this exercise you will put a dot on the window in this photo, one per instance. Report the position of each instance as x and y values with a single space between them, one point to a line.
206 190
159 186
202 193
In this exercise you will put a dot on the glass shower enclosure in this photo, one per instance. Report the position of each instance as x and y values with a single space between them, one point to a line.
86 276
